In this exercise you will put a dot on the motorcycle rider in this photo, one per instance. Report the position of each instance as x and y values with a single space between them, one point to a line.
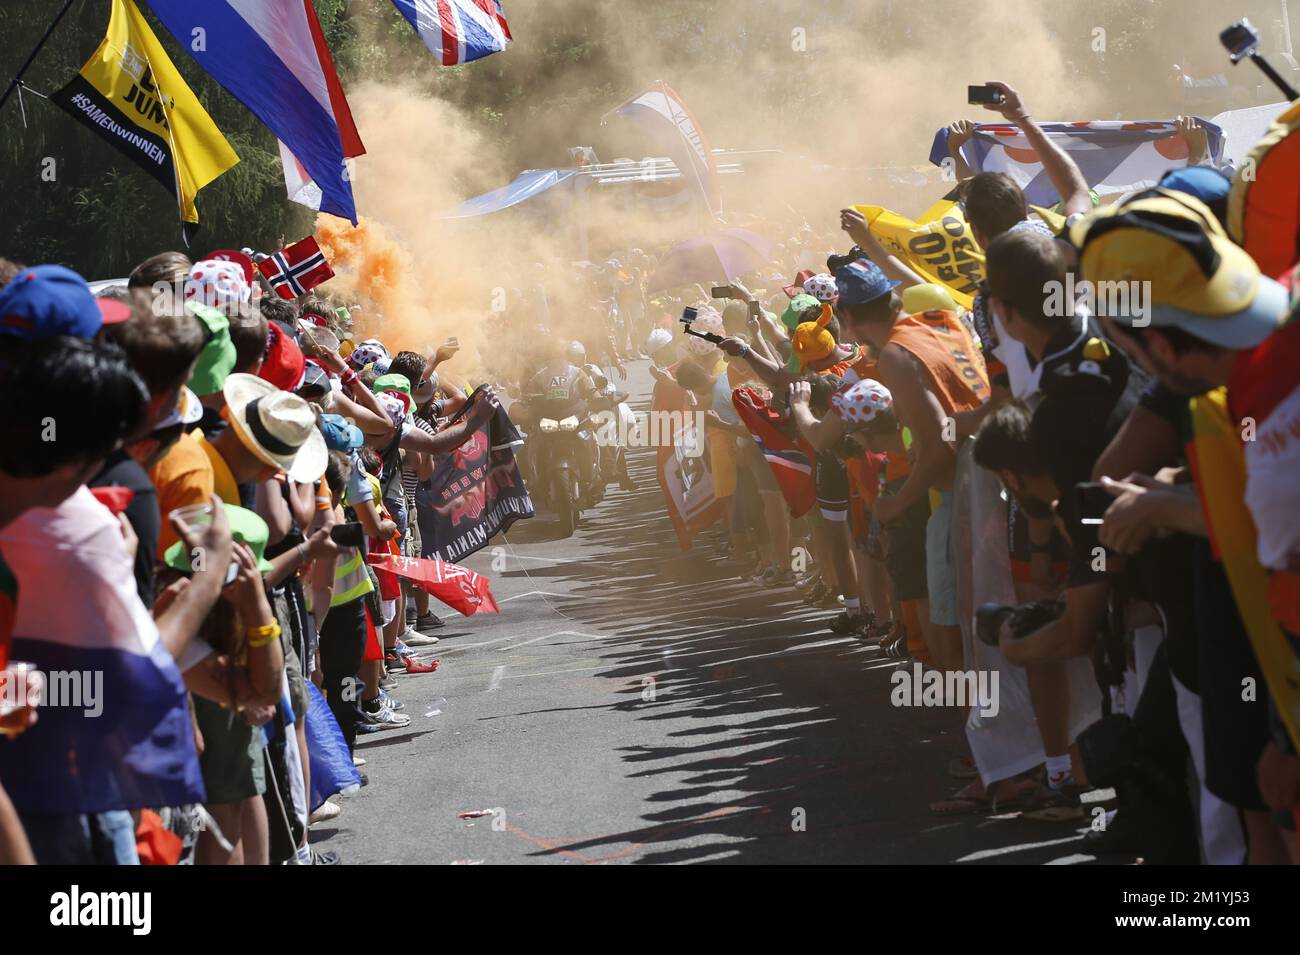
560 379
611 435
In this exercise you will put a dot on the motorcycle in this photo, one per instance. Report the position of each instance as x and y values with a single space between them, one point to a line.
561 452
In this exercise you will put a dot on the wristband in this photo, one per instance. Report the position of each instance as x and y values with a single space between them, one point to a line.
261 636
745 350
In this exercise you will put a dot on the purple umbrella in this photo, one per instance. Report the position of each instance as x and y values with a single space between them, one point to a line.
727 253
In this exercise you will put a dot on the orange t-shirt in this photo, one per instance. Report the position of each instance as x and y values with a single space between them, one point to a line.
182 476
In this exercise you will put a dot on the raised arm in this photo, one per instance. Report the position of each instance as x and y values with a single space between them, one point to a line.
1065 175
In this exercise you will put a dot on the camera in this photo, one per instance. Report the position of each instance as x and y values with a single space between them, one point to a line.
836 262
1240 39
984 96
1024 619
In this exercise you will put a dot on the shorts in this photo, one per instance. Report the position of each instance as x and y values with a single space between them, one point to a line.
752 457
722 452
232 764
903 547
940 568
411 539
280 603
832 488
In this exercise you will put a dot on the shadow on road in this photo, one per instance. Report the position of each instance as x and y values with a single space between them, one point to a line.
785 747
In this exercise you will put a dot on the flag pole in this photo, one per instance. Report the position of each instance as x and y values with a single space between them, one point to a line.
17 80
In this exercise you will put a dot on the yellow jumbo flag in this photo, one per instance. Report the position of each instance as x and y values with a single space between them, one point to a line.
131 95
939 246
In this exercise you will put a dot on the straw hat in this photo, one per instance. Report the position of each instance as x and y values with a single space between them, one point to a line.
277 426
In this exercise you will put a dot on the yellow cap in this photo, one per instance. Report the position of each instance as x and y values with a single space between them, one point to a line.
1190 273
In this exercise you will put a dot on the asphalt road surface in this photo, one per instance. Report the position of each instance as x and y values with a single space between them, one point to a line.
634 703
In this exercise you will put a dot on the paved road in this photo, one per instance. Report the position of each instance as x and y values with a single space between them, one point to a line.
633 703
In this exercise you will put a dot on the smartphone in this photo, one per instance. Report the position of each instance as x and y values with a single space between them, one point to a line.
720 291
231 573
983 95
348 535
1091 501
689 313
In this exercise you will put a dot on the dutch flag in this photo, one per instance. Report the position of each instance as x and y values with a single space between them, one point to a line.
272 57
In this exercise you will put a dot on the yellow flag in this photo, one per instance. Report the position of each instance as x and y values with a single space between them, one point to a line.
939 246
131 95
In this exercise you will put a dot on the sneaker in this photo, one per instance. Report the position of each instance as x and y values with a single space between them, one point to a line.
384 718
326 857
358 761
411 614
394 663
429 621
388 682
402 649
777 577
414 638
324 812
388 700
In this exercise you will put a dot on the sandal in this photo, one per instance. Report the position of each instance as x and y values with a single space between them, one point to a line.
971 798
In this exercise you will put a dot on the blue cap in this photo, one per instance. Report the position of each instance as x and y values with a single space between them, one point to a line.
339 435
862 281
49 300
1207 184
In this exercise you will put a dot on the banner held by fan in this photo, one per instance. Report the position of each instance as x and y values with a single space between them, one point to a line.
458 587
939 246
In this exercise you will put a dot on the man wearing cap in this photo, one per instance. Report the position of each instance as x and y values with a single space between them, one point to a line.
48 300
933 373
1219 332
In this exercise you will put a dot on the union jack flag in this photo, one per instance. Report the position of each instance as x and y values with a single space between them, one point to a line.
296 269
457 31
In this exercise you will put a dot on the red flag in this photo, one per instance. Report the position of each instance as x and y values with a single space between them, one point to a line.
683 468
297 269
792 460
458 587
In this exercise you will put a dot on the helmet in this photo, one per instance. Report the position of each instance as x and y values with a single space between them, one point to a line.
577 353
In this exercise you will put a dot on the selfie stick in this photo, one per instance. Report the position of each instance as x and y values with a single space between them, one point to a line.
1287 89
1237 53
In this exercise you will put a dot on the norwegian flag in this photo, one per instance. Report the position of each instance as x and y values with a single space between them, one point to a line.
1114 156
791 459
457 31
296 270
